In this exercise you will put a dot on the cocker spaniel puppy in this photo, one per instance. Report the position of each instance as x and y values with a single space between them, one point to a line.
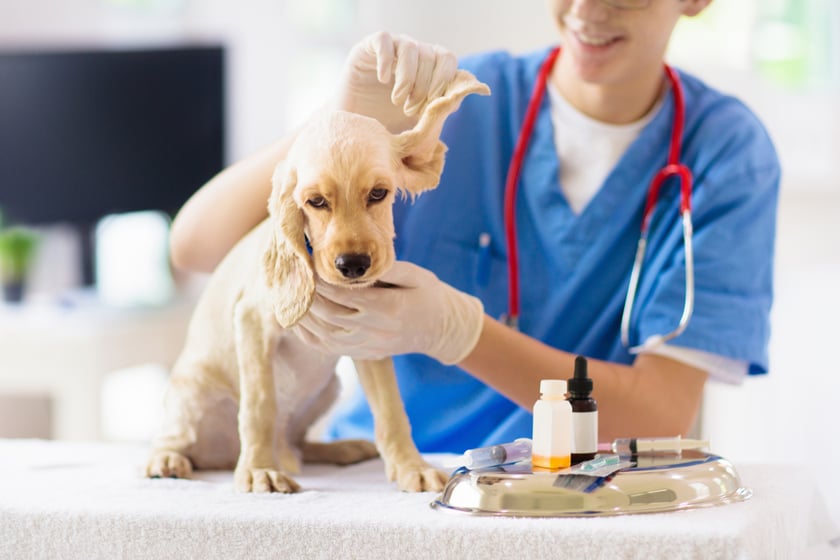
246 389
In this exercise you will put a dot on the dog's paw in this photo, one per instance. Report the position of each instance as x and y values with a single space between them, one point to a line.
341 452
415 476
288 459
252 479
168 464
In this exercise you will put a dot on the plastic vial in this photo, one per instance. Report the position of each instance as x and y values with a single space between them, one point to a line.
584 414
552 439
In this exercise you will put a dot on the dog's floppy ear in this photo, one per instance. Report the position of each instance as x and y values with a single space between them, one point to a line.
420 150
288 266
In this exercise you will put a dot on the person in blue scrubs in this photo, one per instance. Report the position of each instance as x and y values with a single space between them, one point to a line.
601 134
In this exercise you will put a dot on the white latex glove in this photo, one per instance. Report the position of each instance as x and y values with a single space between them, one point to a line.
423 316
392 78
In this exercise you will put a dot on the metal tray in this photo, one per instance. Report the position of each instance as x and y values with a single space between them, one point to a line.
656 484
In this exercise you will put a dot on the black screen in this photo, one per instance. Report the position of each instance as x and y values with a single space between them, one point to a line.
88 133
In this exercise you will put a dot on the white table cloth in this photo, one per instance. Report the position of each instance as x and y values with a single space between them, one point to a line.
89 501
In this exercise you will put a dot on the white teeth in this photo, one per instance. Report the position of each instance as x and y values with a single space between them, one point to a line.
594 41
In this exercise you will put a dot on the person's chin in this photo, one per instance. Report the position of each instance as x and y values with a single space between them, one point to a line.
594 63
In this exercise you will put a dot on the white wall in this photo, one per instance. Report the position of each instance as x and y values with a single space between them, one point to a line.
269 90
790 414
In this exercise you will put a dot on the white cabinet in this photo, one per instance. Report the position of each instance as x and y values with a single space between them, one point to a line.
65 351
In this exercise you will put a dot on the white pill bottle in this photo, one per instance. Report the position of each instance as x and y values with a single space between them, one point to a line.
552 433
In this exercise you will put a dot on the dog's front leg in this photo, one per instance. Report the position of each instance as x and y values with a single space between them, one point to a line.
403 463
256 470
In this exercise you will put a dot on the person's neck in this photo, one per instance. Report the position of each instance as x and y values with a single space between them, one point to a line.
621 103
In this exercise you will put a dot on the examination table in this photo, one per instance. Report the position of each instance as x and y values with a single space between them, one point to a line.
74 500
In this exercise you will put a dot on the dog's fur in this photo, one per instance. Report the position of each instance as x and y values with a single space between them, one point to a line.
242 366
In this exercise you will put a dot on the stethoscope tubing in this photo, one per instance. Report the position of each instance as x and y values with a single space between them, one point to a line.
673 168
512 181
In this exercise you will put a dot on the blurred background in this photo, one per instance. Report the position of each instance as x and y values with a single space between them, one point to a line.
112 112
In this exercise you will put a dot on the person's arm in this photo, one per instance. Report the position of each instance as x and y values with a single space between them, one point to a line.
224 210
656 396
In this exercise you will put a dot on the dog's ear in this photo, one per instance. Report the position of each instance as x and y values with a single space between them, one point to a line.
420 150
288 266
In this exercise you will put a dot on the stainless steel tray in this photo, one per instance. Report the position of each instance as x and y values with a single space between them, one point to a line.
656 484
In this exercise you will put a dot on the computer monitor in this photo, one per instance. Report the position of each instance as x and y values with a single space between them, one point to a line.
90 132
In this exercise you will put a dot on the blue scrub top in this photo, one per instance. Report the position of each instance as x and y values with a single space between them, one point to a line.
574 269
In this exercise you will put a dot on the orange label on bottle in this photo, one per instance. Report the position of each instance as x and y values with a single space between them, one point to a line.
543 462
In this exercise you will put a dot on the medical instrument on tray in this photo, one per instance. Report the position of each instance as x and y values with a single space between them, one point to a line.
675 445
598 462
495 455
591 475
672 169
654 484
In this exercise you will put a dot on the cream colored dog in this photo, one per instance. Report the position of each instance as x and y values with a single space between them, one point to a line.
242 360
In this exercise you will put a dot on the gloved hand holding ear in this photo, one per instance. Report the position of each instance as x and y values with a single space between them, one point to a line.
392 78
424 315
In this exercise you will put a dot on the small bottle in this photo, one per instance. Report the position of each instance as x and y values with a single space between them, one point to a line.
552 438
584 414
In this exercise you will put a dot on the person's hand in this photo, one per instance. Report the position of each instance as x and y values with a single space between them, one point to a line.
392 78
424 315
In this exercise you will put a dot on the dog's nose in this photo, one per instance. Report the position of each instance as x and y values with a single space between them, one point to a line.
352 265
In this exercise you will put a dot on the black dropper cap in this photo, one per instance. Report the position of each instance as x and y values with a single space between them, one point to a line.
580 385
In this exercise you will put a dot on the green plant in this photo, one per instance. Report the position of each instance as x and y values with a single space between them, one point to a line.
17 248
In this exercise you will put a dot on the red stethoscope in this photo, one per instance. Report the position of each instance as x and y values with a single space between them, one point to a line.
672 169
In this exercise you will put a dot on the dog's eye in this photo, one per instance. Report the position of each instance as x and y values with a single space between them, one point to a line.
377 194
317 202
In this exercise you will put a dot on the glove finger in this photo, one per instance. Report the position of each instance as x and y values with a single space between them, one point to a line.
330 301
363 344
405 70
381 45
365 354
327 335
338 324
408 275
319 327
339 300
363 57
364 309
446 67
325 323
308 337
420 93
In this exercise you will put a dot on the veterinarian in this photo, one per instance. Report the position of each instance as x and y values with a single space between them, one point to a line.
601 132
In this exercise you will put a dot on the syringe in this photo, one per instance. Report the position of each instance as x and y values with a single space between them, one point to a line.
495 455
676 444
